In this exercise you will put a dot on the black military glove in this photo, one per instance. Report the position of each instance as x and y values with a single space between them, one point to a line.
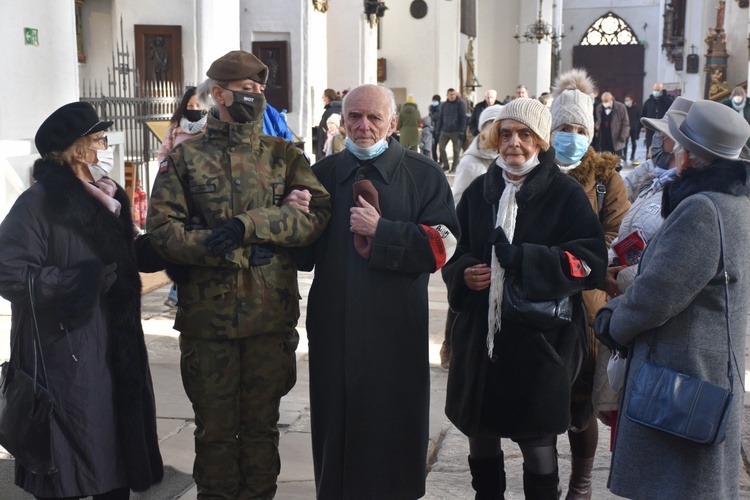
226 238
601 331
261 254
509 256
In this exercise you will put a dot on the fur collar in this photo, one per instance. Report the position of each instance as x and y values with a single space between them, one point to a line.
595 166
723 176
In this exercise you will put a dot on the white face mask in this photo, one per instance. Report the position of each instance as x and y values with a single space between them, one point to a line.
738 99
607 104
520 170
104 164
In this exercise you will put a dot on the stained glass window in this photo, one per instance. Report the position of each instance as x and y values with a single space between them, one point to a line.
609 30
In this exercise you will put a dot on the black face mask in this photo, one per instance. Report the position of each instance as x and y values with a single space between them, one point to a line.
247 106
193 115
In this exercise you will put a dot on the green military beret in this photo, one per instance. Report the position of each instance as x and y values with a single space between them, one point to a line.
238 65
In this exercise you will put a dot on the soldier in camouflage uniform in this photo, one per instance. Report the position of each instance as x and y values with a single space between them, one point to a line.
216 209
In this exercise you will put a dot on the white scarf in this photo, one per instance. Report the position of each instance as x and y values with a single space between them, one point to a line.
193 127
566 169
507 210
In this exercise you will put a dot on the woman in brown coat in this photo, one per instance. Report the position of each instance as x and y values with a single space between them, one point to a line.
572 132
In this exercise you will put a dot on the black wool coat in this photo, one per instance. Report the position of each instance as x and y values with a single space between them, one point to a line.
525 392
104 425
367 325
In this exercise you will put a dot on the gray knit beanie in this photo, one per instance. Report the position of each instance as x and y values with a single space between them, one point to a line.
572 103
531 113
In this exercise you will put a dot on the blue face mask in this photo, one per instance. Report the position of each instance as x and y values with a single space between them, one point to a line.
656 93
570 147
369 153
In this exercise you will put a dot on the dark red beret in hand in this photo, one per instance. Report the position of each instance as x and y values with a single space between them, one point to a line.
364 188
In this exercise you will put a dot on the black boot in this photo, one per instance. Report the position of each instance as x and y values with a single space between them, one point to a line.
488 477
541 486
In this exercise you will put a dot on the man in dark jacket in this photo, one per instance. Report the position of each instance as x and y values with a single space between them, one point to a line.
612 125
490 97
634 117
368 302
434 111
451 126
654 107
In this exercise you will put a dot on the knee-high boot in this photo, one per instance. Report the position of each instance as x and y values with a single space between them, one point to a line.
579 487
488 477
541 486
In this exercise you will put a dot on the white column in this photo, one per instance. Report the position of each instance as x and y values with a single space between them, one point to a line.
535 59
214 17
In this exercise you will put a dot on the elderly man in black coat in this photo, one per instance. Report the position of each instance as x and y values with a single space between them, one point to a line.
392 224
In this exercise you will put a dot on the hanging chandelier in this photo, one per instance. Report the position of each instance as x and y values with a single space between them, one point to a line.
540 30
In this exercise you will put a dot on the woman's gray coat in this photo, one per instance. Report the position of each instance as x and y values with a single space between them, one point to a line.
678 302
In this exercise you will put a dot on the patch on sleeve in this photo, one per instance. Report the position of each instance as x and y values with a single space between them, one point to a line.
163 166
578 267
442 243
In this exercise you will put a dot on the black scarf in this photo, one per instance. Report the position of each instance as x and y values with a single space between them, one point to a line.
111 237
722 176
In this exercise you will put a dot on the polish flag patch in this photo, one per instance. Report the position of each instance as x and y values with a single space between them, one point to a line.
163 166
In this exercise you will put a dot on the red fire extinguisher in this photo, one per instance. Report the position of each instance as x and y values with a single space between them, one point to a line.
141 206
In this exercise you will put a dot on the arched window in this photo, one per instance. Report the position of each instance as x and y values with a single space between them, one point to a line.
609 30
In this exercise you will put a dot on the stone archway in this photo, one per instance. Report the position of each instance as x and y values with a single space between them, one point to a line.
612 54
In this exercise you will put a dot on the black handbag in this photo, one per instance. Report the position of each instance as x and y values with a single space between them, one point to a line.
541 314
682 405
26 405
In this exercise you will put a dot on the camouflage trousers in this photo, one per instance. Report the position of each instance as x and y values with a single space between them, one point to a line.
235 387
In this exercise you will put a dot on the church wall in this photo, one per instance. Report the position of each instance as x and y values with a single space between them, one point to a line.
36 79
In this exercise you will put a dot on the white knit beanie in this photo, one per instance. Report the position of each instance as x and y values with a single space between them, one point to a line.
489 114
572 103
531 113
573 107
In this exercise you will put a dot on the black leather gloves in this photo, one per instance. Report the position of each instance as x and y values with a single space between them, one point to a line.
226 238
509 256
261 254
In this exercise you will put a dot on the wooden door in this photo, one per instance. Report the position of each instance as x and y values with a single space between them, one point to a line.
158 53
617 69
274 55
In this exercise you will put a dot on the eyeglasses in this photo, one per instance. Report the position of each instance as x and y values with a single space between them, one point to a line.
102 141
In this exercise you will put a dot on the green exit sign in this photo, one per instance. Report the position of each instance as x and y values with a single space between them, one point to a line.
31 36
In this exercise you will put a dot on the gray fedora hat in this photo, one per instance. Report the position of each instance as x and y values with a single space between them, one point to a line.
662 124
711 130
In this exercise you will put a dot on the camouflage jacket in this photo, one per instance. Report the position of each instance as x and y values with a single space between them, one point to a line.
232 170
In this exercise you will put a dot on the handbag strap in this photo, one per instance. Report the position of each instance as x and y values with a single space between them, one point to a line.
40 369
730 351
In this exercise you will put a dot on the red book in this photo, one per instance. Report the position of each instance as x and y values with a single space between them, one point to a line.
630 248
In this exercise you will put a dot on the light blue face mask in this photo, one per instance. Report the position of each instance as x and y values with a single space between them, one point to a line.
570 147
368 153
656 93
